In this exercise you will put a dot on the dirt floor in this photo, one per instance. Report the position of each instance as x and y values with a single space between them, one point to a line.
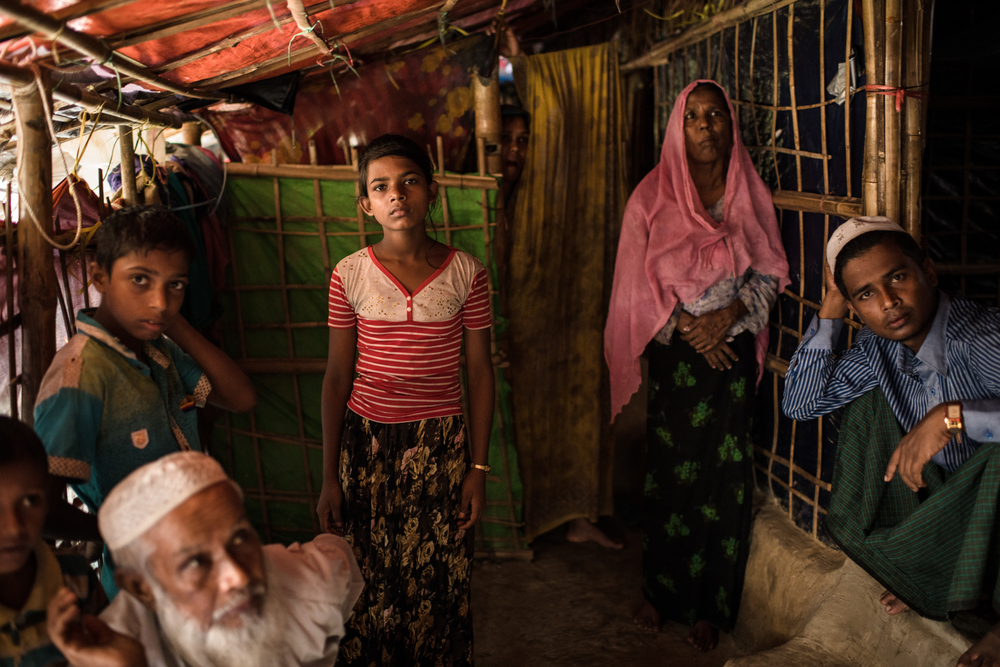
572 605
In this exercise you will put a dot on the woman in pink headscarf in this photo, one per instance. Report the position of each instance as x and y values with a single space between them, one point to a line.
700 265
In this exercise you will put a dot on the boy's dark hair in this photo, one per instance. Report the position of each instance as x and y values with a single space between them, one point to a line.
393 145
18 443
141 228
511 111
862 244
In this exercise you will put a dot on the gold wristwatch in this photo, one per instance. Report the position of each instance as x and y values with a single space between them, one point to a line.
953 419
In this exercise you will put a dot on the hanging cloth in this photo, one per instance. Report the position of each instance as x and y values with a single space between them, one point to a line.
570 201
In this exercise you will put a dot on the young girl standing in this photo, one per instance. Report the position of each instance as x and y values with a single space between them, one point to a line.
404 476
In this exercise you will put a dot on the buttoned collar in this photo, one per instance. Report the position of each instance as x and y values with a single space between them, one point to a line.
86 324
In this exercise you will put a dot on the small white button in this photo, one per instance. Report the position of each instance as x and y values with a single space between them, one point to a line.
408 309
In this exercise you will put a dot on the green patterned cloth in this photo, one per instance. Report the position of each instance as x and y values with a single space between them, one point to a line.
936 550
699 483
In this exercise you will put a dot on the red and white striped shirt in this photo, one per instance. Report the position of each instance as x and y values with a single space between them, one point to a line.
408 344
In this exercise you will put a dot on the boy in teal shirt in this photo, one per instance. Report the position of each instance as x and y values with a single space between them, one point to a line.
123 391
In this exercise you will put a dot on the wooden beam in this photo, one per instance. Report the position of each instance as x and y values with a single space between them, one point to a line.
696 33
344 173
38 284
790 200
68 13
16 76
94 48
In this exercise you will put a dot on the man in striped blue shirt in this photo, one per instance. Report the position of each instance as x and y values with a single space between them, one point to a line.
932 357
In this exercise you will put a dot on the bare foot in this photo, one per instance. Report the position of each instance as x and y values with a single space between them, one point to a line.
892 604
581 530
985 652
703 636
647 618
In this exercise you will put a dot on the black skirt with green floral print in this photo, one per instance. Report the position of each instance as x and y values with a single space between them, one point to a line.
699 482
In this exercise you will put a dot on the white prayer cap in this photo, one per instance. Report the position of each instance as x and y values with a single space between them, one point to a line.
854 228
154 490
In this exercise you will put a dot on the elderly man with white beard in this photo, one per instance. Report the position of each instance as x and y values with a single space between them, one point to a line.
198 589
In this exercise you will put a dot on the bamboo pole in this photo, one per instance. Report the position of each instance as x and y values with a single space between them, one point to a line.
870 175
914 108
94 48
893 78
38 284
847 98
486 92
696 33
130 192
11 349
324 248
67 92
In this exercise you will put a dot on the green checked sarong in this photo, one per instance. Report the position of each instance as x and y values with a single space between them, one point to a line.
937 550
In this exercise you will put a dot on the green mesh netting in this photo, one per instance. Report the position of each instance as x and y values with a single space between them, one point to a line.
275 452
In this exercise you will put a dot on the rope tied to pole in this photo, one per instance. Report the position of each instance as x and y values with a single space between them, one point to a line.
898 93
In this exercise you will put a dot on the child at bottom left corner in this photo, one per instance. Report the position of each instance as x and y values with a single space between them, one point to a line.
31 573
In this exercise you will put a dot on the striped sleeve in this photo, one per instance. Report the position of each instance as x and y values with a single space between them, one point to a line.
476 309
342 315
818 380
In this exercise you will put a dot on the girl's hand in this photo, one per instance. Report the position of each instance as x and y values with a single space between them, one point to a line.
706 331
721 356
331 497
473 498
87 641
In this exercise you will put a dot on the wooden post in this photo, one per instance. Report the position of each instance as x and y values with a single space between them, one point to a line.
870 175
129 192
38 283
191 132
913 140
488 126
893 78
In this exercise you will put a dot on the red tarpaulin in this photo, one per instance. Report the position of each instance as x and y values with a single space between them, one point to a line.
422 95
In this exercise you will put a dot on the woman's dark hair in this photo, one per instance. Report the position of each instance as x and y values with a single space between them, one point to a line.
862 244
141 228
393 145
18 443
712 88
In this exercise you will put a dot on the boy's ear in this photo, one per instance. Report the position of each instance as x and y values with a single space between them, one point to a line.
366 206
98 276
930 270
133 582
850 307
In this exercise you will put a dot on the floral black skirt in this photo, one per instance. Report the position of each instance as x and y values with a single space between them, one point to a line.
402 494
699 482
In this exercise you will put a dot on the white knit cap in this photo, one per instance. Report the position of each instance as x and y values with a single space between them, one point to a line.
151 492
854 228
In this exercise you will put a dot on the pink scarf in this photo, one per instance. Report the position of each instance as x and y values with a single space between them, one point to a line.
670 250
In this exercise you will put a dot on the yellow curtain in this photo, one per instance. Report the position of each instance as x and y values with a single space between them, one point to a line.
562 248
